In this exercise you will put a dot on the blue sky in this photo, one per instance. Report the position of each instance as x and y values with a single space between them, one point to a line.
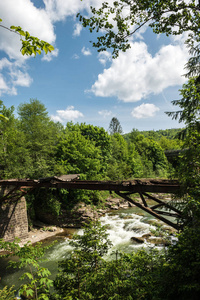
78 84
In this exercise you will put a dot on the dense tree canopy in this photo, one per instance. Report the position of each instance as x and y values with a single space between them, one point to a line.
40 137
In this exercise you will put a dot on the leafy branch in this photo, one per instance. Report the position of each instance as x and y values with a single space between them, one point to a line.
30 44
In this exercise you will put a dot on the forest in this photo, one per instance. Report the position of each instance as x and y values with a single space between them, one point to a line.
33 146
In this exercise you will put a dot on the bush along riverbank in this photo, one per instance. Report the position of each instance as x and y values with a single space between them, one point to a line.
85 274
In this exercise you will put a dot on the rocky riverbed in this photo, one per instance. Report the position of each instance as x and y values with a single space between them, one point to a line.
48 225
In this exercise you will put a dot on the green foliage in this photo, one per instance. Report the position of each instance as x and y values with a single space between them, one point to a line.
47 200
3 118
83 262
180 272
13 155
123 18
37 282
188 171
30 44
153 156
7 293
124 161
98 135
189 106
78 154
167 144
40 138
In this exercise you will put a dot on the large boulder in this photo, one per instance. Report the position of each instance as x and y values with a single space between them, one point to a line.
138 240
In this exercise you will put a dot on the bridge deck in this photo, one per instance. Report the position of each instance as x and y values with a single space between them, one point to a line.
19 187
72 182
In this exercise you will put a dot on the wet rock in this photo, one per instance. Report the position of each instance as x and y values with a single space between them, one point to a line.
146 236
52 228
158 241
138 240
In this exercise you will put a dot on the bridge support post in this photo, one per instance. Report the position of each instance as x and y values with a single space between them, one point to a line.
13 214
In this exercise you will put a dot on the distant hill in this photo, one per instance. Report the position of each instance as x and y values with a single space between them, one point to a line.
156 135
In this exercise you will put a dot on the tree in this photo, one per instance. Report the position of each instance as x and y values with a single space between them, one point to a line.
77 270
189 104
78 155
30 44
14 159
115 126
40 138
98 135
37 283
153 157
124 17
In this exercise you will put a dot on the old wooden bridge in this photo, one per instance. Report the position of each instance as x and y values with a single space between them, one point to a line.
146 188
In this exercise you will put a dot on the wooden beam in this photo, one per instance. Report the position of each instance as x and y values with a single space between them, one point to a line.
163 203
149 210
133 186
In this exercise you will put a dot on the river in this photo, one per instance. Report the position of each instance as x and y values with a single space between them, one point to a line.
121 226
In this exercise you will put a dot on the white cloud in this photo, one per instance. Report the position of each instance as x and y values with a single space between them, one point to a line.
104 57
12 75
136 74
75 56
147 110
23 13
104 113
86 51
70 114
34 20
58 10
3 86
38 22
50 55
21 79
77 29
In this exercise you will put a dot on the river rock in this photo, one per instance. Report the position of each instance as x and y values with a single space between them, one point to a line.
138 240
158 241
146 236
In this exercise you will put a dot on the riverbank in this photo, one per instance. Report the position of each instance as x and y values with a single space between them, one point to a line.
39 234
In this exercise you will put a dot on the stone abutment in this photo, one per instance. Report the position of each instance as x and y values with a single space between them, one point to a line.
13 217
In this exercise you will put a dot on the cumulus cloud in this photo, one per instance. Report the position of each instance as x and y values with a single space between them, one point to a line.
104 113
12 75
50 55
38 23
86 51
60 9
75 56
69 114
3 86
104 57
77 29
147 110
136 74
23 13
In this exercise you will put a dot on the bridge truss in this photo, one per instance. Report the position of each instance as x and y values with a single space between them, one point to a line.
145 188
